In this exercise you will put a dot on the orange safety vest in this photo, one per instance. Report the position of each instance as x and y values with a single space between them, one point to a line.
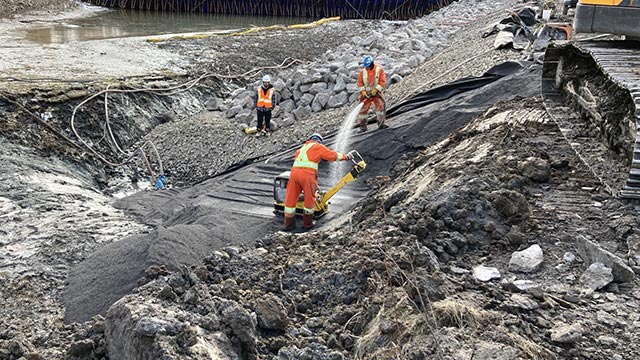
264 100
367 84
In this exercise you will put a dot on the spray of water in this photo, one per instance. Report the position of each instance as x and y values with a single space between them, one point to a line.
339 169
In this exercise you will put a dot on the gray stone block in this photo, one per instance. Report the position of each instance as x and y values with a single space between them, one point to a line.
338 100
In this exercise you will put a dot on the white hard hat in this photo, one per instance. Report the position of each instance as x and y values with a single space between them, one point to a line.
266 78
317 137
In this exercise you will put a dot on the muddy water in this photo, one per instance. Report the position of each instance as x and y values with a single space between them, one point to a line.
107 24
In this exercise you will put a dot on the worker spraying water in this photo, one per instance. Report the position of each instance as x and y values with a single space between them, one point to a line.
371 83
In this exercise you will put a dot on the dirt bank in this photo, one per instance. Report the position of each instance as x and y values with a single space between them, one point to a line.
407 276
10 8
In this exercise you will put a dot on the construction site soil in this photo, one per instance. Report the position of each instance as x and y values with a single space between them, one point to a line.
10 8
476 232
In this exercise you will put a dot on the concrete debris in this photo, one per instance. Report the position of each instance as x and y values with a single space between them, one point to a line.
528 260
485 273
592 253
597 276
566 334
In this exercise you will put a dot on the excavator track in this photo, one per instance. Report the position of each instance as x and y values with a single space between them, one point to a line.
592 91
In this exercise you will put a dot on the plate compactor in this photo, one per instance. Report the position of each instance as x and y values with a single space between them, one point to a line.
322 198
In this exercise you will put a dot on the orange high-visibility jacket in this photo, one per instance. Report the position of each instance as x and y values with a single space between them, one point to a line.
309 155
265 98
369 79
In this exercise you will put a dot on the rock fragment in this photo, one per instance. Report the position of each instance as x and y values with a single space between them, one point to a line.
597 276
271 314
566 334
485 273
527 260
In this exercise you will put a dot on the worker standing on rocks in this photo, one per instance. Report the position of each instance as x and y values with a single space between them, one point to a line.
304 177
265 100
371 82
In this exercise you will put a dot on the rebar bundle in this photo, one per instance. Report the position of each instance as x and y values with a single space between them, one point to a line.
346 9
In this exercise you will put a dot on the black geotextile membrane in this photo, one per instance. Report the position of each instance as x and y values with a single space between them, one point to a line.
446 91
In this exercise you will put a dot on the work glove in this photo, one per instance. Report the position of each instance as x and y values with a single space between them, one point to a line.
349 156
160 182
363 94
374 92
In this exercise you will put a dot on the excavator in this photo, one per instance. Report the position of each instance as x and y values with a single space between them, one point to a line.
322 198
591 88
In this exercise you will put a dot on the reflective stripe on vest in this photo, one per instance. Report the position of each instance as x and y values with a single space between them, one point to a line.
264 100
303 160
365 79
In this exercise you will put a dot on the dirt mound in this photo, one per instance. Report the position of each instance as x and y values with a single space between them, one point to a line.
405 277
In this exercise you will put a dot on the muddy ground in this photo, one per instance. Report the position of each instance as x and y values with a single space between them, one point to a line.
398 280
10 8
404 275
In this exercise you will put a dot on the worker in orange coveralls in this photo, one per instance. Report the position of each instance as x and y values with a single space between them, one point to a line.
371 82
304 177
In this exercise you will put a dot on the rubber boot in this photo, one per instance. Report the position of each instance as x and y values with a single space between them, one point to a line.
307 220
380 119
363 125
289 223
